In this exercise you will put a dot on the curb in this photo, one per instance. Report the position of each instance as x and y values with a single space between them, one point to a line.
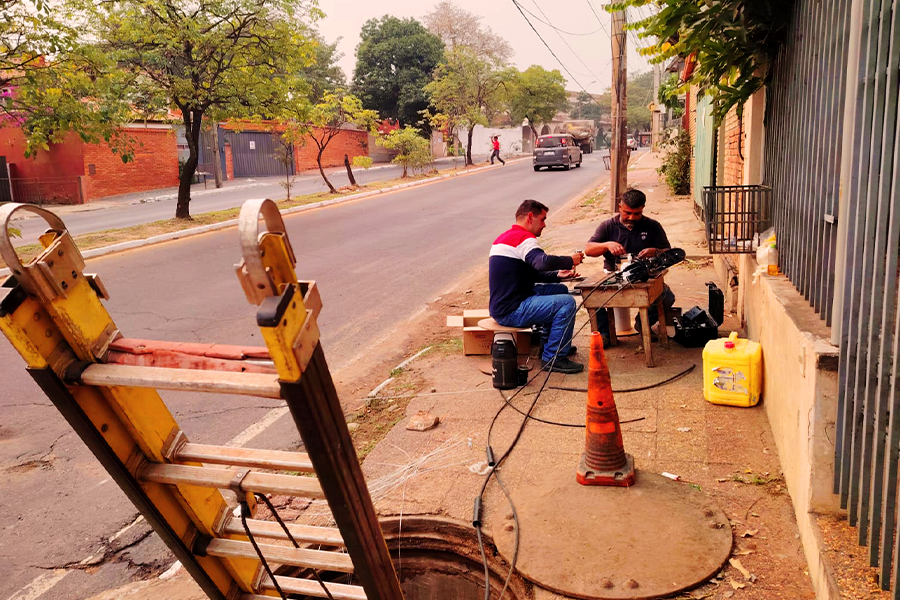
374 393
177 235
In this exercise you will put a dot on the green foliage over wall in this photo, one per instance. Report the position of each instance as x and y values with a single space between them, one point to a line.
733 41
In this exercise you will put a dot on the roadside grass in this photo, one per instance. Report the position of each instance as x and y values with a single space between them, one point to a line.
99 239
452 346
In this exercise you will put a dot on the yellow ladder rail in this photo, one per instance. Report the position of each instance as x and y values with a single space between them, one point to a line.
52 313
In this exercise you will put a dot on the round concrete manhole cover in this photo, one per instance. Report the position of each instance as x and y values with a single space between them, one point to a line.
651 540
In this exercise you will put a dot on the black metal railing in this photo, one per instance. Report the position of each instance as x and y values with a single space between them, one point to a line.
804 125
45 190
735 215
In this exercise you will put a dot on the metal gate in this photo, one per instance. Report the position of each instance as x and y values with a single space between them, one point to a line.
255 154
207 152
5 189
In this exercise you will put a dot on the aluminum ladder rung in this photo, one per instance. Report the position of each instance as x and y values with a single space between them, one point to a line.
293 585
245 457
285 555
302 533
266 483
262 385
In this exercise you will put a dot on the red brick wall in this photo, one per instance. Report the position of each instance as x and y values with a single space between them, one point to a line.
733 131
155 165
62 160
349 142
229 162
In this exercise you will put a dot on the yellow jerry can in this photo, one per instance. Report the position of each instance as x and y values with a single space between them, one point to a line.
732 371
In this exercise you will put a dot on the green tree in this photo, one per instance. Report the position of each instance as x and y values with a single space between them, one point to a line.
51 84
323 121
324 74
413 150
536 94
670 91
585 107
640 95
215 59
467 91
734 42
394 61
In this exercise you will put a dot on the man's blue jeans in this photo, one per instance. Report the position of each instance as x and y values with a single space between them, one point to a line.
668 299
553 307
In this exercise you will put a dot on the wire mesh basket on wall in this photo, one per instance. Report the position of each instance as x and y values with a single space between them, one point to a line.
735 215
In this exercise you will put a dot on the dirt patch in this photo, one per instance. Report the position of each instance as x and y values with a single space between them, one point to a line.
850 561
374 417
26 467
591 206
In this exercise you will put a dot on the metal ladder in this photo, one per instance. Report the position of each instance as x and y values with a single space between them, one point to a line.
51 312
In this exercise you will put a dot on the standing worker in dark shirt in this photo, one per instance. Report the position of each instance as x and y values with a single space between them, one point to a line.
495 144
629 232
525 288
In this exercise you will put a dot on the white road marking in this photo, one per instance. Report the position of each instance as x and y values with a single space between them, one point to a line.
40 585
126 528
171 571
257 428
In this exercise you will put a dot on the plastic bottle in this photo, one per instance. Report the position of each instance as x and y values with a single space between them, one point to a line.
767 254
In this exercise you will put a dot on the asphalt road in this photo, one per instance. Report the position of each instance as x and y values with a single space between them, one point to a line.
116 213
378 261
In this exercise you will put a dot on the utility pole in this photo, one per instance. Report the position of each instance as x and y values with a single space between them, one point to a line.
655 113
618 151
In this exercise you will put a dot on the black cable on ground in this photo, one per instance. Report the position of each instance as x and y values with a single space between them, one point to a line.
636 389
571 389
487 575
476 521
515 557
557 423
245 510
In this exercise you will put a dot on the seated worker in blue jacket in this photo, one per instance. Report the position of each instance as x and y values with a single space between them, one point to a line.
525 288
629 232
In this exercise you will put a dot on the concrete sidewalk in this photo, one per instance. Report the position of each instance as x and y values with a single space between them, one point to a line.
727 453
199 190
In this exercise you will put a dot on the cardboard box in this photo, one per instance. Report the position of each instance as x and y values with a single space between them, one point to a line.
477 340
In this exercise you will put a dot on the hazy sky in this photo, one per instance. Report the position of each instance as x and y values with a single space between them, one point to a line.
588 59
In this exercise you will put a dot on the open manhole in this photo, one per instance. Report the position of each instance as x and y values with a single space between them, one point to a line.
439 559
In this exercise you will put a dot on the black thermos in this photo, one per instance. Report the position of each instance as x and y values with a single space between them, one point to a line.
504 362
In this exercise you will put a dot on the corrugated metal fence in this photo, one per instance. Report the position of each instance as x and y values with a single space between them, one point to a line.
802 155
868 428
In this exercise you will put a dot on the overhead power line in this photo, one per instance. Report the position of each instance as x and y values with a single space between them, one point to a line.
537 33
599 20
572 50
552 26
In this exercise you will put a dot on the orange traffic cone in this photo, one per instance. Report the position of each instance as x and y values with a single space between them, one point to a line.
604 461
